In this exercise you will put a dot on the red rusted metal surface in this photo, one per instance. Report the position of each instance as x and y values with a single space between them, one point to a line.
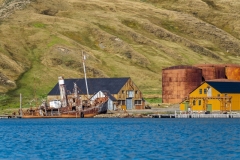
212 71
179 81
233 72
223 80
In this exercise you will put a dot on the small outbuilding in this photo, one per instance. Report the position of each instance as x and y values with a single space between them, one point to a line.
110 103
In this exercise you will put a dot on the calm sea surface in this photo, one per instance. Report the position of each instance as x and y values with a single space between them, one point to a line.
120 139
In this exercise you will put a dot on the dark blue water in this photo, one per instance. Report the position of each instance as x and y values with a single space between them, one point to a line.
120 139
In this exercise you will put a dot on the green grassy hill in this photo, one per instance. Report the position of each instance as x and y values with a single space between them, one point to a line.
43 39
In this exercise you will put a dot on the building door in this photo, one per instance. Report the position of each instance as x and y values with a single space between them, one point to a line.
209 107
110 105
129 103
186 106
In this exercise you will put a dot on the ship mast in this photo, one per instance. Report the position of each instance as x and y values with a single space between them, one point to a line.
63 94
78 101
84 57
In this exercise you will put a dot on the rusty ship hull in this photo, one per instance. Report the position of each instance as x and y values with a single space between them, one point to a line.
67 112
77 115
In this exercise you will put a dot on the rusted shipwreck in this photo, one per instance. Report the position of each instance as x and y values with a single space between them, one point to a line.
69 106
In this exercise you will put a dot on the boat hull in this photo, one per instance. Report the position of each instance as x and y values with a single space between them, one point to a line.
66 112
60 116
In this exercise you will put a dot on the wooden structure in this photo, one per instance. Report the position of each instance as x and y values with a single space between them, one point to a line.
126 94
101 95
213 96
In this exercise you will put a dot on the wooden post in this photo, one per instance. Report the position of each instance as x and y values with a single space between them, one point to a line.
20 104
230 107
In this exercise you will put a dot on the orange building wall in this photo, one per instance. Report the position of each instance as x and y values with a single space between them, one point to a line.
235 102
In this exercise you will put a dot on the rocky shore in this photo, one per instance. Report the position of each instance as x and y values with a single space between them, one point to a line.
144 113
122 115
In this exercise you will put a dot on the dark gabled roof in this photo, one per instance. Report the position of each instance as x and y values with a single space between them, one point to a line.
225 87
113 85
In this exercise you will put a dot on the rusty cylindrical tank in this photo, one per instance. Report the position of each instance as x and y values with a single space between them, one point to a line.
212 71
178 82
232 72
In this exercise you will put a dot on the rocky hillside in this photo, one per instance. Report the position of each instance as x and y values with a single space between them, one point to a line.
42 39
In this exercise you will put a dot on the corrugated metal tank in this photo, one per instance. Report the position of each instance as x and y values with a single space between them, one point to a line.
179 81
232 72
212 71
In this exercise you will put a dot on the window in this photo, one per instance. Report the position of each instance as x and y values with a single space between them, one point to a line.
130 94
194 102
199 102
136 92
137 102
123 91
200 91
205 91
121 102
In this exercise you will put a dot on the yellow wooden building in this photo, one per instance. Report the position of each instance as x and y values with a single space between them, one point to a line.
213 96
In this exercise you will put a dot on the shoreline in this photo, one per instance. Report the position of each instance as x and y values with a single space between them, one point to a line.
150 113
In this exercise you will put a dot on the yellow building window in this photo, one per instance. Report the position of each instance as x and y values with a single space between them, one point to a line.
200 91
199 102
194 102
205 91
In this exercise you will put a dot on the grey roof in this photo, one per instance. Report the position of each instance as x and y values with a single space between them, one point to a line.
113 85
225 87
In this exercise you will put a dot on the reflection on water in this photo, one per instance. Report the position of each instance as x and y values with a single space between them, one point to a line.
120 139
